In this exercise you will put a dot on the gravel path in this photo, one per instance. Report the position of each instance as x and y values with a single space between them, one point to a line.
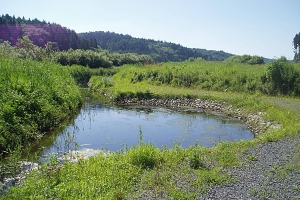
270 171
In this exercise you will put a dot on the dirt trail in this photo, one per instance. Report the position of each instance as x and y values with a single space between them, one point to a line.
293 104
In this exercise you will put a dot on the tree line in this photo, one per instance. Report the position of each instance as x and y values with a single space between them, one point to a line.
159 51
95 58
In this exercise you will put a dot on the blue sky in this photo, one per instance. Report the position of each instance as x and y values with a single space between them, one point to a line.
256 27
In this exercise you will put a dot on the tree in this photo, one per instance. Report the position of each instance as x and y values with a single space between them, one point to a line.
29 50
296 44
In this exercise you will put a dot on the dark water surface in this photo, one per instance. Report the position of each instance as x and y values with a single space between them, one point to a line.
110 128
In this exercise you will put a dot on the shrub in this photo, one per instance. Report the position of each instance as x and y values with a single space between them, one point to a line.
84 58
282 77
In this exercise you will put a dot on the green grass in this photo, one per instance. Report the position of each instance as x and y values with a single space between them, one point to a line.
168 173
82 74
279 77
35 97
119 175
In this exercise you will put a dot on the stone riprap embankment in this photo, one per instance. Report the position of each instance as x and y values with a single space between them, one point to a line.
24 168
74 156
255 121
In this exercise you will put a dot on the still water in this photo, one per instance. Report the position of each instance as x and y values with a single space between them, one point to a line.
110 128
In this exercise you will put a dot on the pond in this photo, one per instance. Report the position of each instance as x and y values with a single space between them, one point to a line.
111 128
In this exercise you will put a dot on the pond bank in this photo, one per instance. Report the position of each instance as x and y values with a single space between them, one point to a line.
254 121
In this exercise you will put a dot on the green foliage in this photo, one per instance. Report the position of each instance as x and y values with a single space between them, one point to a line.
282 77
35 96
195 158
247 59
130 58
100 84
139 95
296 44
99 58
85 58
83 74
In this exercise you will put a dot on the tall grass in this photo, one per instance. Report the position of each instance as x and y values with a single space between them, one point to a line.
218 76
35 97
83 74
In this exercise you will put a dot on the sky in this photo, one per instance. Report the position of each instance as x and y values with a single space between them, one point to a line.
254 27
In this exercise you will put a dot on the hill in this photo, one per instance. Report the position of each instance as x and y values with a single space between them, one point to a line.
41 32
62 38
160 51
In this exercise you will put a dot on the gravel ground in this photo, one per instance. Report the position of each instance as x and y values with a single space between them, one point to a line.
269 171
272 171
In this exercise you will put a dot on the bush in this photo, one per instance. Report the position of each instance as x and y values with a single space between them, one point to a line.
282 77
84 58
99 58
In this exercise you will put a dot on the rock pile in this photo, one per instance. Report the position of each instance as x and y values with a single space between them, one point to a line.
74 156
24 168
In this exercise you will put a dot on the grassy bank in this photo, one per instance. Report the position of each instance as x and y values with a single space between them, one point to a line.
35 97
169 173
279 77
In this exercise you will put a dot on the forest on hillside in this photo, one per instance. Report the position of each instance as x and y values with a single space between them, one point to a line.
41 32
160 51
124 48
